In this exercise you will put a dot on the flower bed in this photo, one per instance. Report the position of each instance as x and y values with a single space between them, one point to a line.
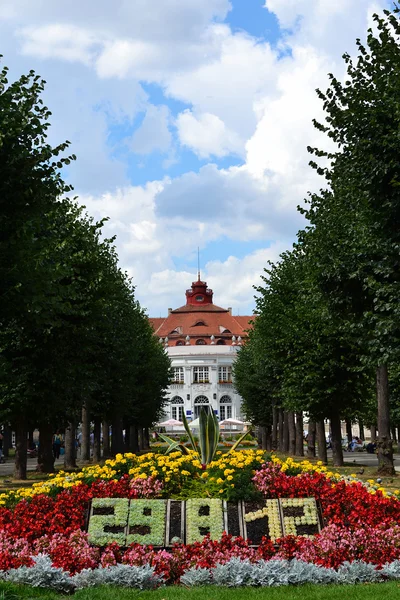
361 520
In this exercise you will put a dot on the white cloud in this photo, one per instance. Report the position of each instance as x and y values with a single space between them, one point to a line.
154 133
237 72
243 98
207 135
58 41
233 280
332 27
278 146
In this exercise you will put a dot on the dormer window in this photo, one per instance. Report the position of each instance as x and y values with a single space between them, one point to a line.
176 330
199 324
199 298
223 329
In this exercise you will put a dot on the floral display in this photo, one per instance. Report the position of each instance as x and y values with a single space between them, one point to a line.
361 519
204 517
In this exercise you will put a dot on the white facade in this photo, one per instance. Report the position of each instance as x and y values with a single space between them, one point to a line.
203 377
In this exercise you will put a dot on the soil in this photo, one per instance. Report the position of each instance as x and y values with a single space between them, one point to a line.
257 529
297 511
140 529
103 510
114 529
175 520
204 511
233 519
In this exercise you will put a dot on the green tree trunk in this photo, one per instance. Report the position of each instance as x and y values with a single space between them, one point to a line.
146 438
133 439
361 430
97 440
299 434
85 441
141 438
349 432
106 439
69 447
292 432
286 438
7 440
263 437
336 440
321 441
311 439
127 440
21 447
45 461
274 439
281 444
117 445
384 444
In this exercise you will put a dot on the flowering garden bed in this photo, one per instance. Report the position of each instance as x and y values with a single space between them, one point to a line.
43 537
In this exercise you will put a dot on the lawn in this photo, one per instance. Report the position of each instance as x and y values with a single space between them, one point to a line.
308 592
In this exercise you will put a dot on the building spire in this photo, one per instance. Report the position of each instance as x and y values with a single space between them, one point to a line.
198 263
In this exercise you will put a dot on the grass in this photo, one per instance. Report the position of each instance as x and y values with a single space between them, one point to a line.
390 591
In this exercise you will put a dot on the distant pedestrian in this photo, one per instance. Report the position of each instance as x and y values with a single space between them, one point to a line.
57 441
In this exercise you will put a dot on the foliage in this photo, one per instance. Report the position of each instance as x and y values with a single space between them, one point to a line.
207 444
42 574
72 332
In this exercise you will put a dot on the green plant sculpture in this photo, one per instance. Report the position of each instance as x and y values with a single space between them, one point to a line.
208 438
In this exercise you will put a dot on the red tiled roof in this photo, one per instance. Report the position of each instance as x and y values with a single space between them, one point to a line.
156 322
200 308
181 323
200 321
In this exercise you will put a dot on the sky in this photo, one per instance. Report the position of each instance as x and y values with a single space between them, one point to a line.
190 120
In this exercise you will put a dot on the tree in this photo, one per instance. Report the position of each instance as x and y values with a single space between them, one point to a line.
71 331
313 363
355 222
255 383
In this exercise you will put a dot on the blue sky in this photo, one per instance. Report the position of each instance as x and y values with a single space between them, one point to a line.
190 120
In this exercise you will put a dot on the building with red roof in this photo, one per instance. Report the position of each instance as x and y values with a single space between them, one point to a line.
202 340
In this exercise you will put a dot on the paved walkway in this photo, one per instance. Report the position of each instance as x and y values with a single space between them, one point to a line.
7 468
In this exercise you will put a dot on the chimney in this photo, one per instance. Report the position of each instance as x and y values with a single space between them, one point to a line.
230 310
169 311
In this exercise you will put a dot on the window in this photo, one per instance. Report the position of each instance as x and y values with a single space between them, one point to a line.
221 343
225 408
200 343
199 403
199 298
199 324
225 374
200 375
177 408
177 375
179 343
